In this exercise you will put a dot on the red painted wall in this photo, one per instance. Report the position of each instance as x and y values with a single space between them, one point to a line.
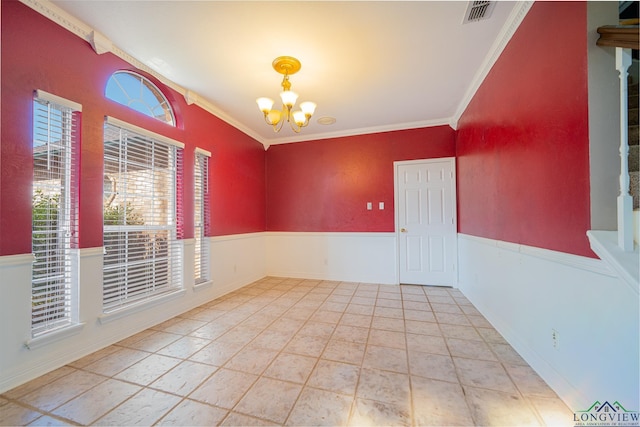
39 54
523 142
325 185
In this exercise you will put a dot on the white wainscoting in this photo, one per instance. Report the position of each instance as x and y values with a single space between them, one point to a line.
349 257
527 292
236 261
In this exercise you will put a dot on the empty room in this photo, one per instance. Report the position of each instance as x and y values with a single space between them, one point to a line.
319 213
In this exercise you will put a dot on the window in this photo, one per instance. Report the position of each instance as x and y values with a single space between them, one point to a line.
201 216
140 94
54 203
142 254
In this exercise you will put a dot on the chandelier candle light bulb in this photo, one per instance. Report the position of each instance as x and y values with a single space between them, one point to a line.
286 65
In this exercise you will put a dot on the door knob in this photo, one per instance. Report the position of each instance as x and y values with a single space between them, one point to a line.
403 230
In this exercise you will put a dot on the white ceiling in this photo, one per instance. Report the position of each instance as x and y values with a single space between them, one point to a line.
373 66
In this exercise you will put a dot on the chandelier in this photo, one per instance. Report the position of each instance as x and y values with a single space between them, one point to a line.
286 65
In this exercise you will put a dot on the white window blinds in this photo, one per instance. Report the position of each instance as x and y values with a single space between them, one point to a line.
54 204
142 254
201 216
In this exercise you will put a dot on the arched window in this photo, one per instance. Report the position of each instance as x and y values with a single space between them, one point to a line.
139 93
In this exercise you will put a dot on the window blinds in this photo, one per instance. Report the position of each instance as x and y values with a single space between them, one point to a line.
201 215
142 254
54 203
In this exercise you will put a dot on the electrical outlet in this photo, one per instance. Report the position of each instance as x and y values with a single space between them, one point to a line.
555 339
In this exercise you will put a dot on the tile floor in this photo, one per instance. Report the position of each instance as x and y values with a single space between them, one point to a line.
301 352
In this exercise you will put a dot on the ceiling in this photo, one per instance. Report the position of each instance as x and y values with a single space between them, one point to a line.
373 66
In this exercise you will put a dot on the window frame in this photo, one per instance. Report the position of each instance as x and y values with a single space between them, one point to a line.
201 220
54 274
153 250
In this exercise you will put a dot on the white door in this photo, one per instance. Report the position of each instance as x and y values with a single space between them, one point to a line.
426 222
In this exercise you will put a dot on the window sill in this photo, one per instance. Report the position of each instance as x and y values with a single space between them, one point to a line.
140 306
54 335
202 285
625 264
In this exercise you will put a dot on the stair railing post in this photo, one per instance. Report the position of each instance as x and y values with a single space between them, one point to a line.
625 201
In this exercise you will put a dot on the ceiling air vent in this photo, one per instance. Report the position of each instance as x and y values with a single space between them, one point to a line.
478 10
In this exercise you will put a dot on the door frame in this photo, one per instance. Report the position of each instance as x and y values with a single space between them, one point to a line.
396 165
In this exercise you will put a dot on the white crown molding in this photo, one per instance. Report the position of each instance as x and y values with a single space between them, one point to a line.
359 131
508 30
101 44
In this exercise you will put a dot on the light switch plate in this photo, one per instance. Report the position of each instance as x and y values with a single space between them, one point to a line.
381 205
369 206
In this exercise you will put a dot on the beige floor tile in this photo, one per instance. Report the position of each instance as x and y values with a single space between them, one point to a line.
434 366
387 339
528 382
360 300
48 420
127 342
252 360
365 310
334 376
416 305
240 335
236 419
470 349
361 320
384 386
391 292
351 333
495 408
291 367
439 403
40 381
184 326
148 370
423 328
217 353
116 361
452 319
427 344
490 335
307 345
155 341
184 378
441 299
143 409
387 324
184 347
507 354
479 321
270 399
334 306
446 308
344 351
271 340
420 315
391 303
320 408
460 332
317 329
414 297
192 413
553 411
374 413
89 406
299 313
224 388
211 330
364 293
332 317
13 414
484 374
55 393
395 313
385 358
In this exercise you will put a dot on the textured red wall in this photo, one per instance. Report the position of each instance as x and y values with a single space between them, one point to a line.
325 185
523 142
39 54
